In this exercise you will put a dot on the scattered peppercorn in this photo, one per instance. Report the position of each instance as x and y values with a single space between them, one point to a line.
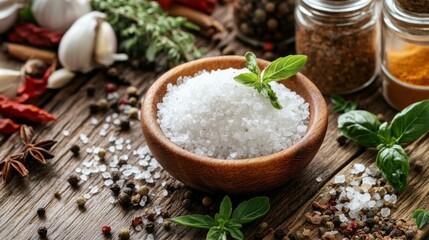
132 91
165 213
73 181
132 101
143 190
418 166
166 224
279 234
263 225
57 195
124 234
124 126
341 140
116 175
81 202
128 191
94 108
90 91
101 153
115 189
41 212
75 149
137 221
113 72
103 104
131 185
133 113
111 87
207 201
150 227
124 199
43 232
135 200
106 230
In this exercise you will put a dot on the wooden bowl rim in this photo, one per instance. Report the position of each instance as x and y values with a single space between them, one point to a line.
149 118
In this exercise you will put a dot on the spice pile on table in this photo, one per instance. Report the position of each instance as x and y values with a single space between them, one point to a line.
356 207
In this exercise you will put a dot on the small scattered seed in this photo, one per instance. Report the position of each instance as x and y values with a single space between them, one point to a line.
207 201
124 126
41 212
81 202
143 190
43 232
166 224
75 149
115 189
132 91
73 181
133 113
150 227
103 104
101 153
124 199
90 91
124 234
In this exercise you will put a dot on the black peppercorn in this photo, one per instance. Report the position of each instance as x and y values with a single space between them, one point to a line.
128 191
150 215
116 175
131 185
150 227
341 140
90 91
41 212
115 189
165 213
94 108
124 199
279 234
43 232
124 125
114 106
75 150
409 235
73 181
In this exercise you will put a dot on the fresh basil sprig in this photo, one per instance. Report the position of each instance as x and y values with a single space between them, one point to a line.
422 217
227 222
280 69
365 129
341 105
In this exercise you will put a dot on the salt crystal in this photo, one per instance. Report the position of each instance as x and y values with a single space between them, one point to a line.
106 175
164 193
343 218
116 122
102 168
108 182
83 178
94 121
371 204
369 180
94 190
111 200
103 132
87 196
112 149
160 220
318 179
89 150
150 237
359 167
66 133
393 198
108 119
106 126
138 228
120 183
339 179
385 212
86 171
78 170
354 183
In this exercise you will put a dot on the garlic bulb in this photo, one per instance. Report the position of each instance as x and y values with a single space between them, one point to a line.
59 15
10 80
89 43
60 78
8 14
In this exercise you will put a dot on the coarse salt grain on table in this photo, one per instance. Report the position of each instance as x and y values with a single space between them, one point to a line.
212 115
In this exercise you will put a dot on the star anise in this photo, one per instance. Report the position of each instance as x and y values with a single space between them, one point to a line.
14 163
35 151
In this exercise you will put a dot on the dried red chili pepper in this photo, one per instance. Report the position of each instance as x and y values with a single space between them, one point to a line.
7 126
206 6
34 87
15 110
34 35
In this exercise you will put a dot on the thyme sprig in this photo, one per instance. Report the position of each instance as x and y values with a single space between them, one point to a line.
146 32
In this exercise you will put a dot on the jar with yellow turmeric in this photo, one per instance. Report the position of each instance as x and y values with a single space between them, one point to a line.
405 55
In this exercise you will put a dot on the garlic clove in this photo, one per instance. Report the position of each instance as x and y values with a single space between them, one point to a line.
60 78
77 45
10 80
8 14
59 15
106 46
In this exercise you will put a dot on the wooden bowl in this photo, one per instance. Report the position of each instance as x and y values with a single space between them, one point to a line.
244 176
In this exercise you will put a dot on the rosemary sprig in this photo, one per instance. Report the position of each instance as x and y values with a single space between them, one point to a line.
146 33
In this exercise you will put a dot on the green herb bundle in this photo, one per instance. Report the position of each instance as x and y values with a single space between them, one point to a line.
227 222
365 129
145 31
422 217
341 105
280 69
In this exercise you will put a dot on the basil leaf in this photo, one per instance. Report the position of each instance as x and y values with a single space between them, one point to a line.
360 126
283 68
252 64
341 105
411 123
422 217
393 164
216 234
248 79
273 97
236 233
384 134
250 210
225 208
195 221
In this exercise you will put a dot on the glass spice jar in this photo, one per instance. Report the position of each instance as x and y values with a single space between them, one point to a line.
262 22
340 39
405 54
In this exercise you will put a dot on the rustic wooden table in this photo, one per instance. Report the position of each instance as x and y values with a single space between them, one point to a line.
21 197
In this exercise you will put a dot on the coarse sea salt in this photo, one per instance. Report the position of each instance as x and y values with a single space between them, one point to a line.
212 115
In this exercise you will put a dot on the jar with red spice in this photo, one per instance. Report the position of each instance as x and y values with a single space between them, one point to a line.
265 22
341 41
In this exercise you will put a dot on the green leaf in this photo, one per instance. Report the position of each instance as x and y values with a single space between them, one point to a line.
341 105
422 217
216 234
236 233
252 64
360 126
251 210
195 221
411 123
393 164
283 68
248 79
225 208
273 97
151 52
384 134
